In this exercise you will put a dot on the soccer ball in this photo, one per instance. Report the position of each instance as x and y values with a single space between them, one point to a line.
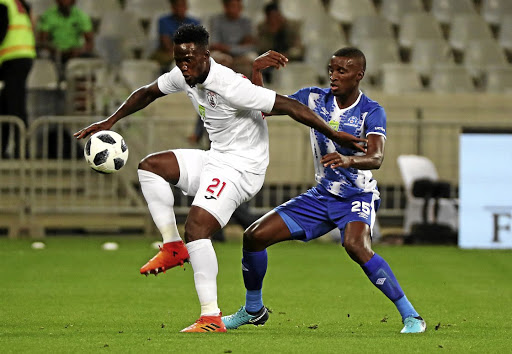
106 151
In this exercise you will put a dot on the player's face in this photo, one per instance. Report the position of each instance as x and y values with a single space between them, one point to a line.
193 61
344 75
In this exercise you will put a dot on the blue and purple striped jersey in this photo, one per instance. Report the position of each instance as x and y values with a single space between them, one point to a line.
362 118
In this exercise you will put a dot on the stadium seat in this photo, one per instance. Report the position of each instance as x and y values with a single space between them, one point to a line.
138 72
318 54
378 52
417 26
43 75
482 53
204 10
145 9
86 81
299 10
445 10
110 48
468 27
42 89
498 79
414 168
493 11
400 78
425 53
394 10
451 78
96 12
295 76
317 29
345 11
121 26
366 27
505 35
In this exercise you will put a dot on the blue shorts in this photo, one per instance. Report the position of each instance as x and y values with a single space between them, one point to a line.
316 212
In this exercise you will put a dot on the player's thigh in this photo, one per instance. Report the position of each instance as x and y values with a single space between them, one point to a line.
266 231
162 163
359 209
222 189
191 163
306 216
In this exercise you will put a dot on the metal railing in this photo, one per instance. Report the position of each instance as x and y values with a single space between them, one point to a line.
51 185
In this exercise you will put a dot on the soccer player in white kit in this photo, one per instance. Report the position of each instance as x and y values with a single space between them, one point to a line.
222 178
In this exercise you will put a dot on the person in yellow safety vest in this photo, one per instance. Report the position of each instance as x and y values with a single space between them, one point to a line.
17 51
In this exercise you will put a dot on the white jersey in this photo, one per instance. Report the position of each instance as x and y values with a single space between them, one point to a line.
230 107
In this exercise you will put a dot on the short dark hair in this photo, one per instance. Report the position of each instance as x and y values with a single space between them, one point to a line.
351 52
190 33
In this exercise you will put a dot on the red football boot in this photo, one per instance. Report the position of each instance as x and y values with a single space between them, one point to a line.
171 254
206 324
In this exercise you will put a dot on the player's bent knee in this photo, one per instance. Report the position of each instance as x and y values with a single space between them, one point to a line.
254 239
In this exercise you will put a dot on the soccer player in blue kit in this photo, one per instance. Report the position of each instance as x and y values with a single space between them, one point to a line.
346 196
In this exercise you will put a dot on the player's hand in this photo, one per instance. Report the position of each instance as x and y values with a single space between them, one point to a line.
269 59
93 128
348 140
335 159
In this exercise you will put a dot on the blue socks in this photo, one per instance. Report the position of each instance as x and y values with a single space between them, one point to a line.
254 267
381 275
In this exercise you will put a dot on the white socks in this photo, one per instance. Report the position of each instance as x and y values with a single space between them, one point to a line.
160 199
204 263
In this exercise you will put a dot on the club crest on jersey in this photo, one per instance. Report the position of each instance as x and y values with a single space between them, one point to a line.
212 98
352 121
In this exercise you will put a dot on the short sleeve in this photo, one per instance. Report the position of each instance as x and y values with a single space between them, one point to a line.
302 96
375 122
243 94
85 22
171 82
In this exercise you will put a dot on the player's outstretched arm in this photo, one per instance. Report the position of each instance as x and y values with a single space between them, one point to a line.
372 160
138 99
302 114
266 60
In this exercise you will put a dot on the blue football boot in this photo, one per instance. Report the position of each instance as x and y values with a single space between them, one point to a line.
414 325
242 317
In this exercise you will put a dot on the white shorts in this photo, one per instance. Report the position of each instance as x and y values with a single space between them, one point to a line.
218 188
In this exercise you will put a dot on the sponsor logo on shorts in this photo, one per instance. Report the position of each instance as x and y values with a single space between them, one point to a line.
210 197
380 281
362 215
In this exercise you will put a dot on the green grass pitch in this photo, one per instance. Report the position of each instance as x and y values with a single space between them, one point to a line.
73 297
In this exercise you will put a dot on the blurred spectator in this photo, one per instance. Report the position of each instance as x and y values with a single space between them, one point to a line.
279 34
232 41
167 26
65 31
17 51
